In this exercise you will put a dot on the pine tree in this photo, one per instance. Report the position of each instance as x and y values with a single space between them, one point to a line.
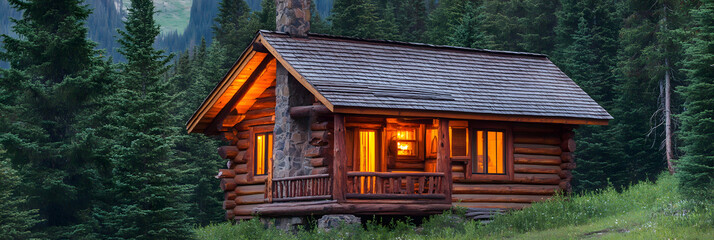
443 20
148 199
650 50
520 25
696 167
54 73
586 37
231 29
358 18
317 22
15 220
467 32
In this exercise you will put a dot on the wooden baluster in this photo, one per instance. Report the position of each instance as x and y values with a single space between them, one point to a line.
421 185
410 185
380 188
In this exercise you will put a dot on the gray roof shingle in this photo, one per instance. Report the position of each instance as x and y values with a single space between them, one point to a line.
385 74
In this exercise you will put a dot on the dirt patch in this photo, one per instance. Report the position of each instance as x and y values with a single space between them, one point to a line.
605 231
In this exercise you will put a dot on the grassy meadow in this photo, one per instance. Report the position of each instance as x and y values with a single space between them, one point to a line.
643 211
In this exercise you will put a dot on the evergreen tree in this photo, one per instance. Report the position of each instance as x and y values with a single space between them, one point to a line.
54 74
443 20
586 37
467 32
650 50
358 18
317 23
231 29
520 25
148 198
15 220
696 167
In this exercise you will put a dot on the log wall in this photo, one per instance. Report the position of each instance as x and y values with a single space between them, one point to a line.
321 141
543 159
242 191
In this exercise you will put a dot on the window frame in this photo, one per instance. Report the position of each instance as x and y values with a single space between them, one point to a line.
379 158
252 151
475 126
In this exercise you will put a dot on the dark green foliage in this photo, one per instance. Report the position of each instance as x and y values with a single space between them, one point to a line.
520 25
147 200
230 27
359 18
467 32
55 74
586 51
15 220
696 167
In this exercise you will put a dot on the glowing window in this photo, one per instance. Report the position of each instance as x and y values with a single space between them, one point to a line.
459 142
263 152
490 153
406 142
368 150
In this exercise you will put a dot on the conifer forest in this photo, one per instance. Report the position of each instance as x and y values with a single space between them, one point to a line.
92 113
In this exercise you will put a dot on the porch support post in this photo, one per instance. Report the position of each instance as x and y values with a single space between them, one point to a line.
443 159
339 174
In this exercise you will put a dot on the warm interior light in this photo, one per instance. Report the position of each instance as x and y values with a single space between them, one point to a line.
406 142
260 155
368 151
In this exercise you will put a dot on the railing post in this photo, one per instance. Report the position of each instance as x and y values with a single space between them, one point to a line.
339 173
443 157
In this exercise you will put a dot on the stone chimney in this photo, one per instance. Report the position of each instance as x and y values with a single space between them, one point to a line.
290 136
293 17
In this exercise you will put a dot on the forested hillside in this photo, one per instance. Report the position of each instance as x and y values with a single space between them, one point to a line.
93 147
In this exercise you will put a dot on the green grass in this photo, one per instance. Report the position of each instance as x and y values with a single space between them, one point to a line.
643 211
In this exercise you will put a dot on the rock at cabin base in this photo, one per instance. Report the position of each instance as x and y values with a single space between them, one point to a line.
328 222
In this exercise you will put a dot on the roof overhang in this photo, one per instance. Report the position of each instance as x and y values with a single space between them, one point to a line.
260 49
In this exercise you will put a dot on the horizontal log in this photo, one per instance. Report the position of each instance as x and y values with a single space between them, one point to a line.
229 204
258 121
540 149
228 184
394 196
227 152
536 159
303 198
407 165
491 205
250 199
364 125
319 170
528 168
229 214
320 138
263 103
523 189
319 162
243 134
565 174
240 168
269 92
259 113
250 189
550 139
535 128
457 175
457 168
240 158
242 179
247 210
568 145
301 177
306 111
523 178
243 144
567 166
395 174
230 195
292 209
315 151
229 136
320 126
567 157
565 185
225 173
498 198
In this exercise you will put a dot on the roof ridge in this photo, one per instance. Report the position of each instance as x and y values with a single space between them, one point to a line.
413 44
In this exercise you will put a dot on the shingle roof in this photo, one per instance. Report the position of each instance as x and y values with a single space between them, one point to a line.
352 72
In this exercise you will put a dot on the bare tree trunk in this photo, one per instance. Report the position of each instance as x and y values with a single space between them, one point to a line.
668 119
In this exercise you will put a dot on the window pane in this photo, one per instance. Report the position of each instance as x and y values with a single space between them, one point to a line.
269 153
492 152
260 154
500 164
406 134
405 149
479 152
407 146
459 142
368 151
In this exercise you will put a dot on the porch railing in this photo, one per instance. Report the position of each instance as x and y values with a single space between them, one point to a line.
302 188
389 185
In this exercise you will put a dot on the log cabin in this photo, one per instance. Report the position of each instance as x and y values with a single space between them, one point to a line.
318 124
